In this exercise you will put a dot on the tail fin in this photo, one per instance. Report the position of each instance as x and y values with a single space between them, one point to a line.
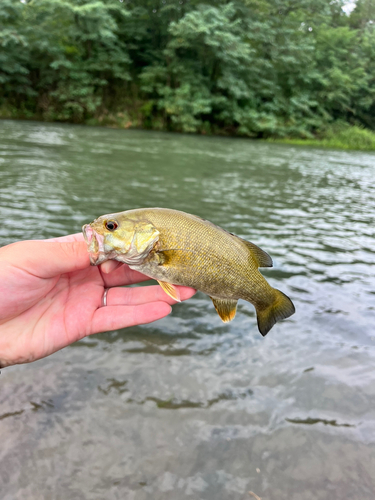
282 307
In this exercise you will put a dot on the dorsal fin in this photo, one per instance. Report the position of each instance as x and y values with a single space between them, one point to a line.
261 257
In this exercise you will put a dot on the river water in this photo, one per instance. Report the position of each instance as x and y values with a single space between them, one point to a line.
187 407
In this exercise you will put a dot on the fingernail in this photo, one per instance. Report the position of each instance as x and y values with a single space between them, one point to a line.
109 266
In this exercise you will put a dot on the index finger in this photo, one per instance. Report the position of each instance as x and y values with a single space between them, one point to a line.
68 238
120 276
46 259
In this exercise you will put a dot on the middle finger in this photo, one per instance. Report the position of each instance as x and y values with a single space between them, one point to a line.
123 275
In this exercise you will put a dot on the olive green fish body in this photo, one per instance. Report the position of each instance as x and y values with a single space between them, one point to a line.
181 249
193 252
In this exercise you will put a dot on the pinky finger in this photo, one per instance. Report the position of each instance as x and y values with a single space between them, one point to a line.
115 317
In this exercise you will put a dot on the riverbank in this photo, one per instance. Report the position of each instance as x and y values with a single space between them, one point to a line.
236 69
339 135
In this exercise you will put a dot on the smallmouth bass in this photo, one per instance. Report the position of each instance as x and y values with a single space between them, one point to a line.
177 248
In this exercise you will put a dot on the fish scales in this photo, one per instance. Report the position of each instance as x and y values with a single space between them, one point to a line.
202 246
177 248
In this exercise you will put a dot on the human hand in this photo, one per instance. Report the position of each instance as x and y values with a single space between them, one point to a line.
50 297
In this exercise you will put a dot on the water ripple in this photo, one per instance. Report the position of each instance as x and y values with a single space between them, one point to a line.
297 406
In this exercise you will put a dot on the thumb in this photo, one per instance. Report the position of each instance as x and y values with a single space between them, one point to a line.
46 259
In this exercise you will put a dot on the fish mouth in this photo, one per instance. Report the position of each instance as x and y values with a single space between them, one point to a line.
95 245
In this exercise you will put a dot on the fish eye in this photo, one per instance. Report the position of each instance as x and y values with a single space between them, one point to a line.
111 225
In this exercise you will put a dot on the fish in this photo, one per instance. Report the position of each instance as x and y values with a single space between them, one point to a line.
178 248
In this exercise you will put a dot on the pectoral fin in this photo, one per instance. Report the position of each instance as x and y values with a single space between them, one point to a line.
226 308
170 290
175 256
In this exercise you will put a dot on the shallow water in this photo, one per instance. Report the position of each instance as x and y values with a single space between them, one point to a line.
187 407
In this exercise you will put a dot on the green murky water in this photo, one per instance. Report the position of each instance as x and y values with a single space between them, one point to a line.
190 408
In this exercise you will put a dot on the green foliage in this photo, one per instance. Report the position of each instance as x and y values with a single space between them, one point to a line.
242 73
258 68
346 86
348 137
63 53
14 54
339 135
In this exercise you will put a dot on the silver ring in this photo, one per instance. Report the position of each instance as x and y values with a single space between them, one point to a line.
104 299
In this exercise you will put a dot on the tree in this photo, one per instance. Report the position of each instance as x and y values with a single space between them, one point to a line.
250 67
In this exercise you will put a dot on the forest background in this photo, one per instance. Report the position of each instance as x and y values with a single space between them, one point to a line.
289 69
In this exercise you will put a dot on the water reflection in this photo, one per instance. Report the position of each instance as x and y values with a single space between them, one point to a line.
313 421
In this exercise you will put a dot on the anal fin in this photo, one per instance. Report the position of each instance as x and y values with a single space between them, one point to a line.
170 290
226 308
